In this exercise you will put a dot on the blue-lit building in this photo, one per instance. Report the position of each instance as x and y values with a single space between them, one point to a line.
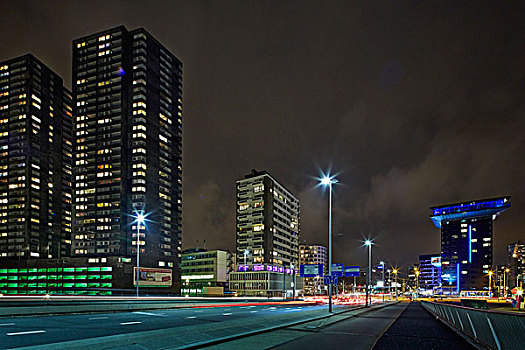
430 272
466 242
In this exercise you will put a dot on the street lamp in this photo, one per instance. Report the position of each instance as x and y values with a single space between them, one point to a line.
369 243
382 263
140 221
490 284
246 252
505 281
292 266
416 270
394 271
327 180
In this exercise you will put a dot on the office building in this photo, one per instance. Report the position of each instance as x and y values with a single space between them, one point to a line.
265 280
430 272
267 221
205 272
516 263
467 242
128 150
313 254
35 162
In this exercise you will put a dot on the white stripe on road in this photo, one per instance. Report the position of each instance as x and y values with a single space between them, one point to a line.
253 311
7 324
190 317
227 314
24 333
98 318
149 314
128 323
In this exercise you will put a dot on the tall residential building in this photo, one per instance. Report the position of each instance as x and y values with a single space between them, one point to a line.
313 254
35 161
128 148
267 221
516 263
467 242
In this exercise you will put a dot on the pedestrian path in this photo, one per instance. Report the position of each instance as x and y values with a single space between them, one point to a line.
418 329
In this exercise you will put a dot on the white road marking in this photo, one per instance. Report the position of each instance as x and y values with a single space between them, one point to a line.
128 323
191 317
254 311
24 333
98 318
149 314
227 314
7 324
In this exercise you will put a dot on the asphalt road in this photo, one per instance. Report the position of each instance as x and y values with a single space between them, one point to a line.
39 330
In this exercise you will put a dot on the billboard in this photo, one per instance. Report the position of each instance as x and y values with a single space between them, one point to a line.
149 277
337 270
352 271
311 270
436 261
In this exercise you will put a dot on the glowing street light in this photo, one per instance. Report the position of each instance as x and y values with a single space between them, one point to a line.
394 271
329 181
382 263
140 221
369 244
490 283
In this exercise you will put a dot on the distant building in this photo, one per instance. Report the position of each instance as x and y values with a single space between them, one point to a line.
467 242
267 221
313 254
516 263
204 272
430 271
35 162
265 281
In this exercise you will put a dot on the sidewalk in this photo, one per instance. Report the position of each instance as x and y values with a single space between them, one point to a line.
418 329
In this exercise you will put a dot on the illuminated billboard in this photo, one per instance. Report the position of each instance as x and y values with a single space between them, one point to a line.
149 277
436 261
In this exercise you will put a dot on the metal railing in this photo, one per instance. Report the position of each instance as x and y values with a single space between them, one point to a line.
490 329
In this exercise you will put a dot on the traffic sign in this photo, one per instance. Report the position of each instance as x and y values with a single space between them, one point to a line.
337 270
311 270
352 271
330 279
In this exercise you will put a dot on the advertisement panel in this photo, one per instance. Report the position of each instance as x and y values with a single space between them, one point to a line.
436 261
311 270
149 277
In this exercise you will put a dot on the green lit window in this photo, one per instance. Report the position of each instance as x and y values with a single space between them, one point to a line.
92 285
3 285
69 285
23 277
52 269
107 268
80 284
32 270
3 291
52 277
93 277
42 285
106 285
81 277
106 277
40 292
42 277
13 278
12 270
12 285
52 285
42 270
3 270
68 277
93 268
22 271
81 269
32 291
32 285
31 278
108 292
4 277
69 269
12 292
22 292
22 285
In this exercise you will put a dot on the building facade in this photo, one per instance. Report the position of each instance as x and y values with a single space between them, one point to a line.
35 161
267 221
264 280
313 254
128 148
516 263
467 242
205 272
430 271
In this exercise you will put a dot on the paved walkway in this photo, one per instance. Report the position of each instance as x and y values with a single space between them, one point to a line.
418 329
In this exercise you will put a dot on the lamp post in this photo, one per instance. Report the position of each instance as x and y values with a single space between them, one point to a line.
417 281
292 266
140 221
389 285
369 243
246 252
506 281
490 284
327 180
395 283
382 263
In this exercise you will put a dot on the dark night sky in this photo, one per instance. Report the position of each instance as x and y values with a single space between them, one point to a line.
413 103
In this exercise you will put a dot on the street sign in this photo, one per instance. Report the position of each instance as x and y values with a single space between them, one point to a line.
311 270
330 279
352 271
337 270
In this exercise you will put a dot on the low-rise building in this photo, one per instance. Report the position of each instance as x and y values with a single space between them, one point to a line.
265 281
204 272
